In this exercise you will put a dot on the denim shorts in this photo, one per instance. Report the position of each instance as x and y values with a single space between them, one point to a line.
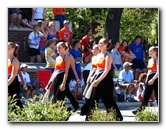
42 48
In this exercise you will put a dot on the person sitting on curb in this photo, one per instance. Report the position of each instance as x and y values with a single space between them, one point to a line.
127 78
31 88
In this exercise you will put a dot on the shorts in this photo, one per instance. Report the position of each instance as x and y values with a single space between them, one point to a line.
51 69
118 66
138 64
42 48
34 52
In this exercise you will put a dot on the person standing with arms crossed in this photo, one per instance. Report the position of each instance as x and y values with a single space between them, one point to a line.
103 83
151 82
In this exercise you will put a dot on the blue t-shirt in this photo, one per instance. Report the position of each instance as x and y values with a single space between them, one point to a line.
128 77
137 50
50 36
76 54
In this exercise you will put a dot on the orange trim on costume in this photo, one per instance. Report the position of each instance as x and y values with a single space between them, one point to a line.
9 67
152 66
60 63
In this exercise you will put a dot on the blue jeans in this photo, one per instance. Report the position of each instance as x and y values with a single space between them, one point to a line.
60 18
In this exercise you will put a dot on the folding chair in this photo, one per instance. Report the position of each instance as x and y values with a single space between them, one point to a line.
43 77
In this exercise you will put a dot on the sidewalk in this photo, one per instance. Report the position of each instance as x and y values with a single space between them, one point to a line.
126 109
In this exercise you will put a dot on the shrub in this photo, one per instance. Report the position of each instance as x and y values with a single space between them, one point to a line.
38 111
147 114
102 115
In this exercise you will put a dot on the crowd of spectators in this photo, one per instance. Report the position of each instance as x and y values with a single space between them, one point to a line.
43 39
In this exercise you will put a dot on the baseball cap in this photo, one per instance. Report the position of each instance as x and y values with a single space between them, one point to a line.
66 21
126 64
23 65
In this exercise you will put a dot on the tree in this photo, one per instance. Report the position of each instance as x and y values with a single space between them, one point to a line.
113 23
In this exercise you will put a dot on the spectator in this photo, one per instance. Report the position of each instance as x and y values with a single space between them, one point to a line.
15 16
59 15
127 54
50 56
138 63
38 14
141 88
117 62
31 88
34 40
84 46
128 80
76 53
51 33
64 33
26 17
42 46
13 67
151 80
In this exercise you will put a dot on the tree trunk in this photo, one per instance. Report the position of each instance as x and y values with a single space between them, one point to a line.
113 23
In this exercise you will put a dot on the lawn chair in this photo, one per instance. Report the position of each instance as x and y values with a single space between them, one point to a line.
43 77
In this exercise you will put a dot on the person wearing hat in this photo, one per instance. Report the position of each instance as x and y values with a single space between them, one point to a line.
65 34
30 88
128 80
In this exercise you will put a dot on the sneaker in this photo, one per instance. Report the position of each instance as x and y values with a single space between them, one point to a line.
128 99
133 99
154 104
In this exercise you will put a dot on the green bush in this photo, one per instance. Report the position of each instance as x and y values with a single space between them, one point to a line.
38 111
147 114
102 115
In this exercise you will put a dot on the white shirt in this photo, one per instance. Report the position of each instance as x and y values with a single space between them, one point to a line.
38 13
25 76
116 56
35 39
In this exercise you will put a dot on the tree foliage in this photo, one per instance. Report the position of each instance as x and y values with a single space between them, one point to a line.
139 21
133 21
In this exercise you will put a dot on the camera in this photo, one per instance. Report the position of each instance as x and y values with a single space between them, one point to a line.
89 45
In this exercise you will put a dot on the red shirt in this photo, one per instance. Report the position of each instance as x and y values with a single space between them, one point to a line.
121 48
84 41
58 10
